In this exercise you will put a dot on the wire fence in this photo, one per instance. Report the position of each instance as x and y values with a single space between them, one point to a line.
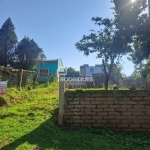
18 77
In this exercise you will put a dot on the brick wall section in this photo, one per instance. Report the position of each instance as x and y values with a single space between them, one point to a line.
126 110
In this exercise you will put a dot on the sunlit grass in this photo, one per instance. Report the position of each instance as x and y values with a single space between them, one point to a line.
30 124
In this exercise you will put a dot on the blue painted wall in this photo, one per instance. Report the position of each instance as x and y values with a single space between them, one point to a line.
51 65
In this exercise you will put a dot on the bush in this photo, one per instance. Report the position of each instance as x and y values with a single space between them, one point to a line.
3 102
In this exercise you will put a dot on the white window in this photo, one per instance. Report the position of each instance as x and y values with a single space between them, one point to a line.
44 72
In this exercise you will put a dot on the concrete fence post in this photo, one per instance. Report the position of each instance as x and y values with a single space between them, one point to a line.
61 100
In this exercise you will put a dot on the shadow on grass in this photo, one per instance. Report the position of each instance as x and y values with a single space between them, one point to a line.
49 136
42 137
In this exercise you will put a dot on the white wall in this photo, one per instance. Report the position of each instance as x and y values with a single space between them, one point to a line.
91 69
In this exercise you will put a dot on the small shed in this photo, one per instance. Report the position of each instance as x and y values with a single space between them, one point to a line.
48 68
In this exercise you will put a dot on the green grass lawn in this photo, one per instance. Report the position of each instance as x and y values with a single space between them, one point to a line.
29 123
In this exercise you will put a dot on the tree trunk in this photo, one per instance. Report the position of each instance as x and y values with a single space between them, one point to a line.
21 74
106 83
107 74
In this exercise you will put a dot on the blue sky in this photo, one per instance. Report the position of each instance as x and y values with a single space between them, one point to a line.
56 25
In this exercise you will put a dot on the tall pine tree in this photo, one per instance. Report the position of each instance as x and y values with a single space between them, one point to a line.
8 39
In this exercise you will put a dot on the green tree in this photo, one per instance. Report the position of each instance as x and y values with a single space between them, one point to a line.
27 53
127 13
8 40
142 40
116 72
134 25
143 70
71 72
107 43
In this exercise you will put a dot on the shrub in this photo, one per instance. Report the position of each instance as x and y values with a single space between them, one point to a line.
3 102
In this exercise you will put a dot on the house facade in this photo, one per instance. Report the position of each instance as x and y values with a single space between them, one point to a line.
48 68
88 71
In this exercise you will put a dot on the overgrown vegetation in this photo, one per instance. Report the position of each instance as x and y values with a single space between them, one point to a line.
30 122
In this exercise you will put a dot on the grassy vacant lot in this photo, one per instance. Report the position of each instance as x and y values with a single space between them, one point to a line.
29 123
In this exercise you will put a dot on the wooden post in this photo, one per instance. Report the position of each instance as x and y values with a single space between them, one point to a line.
21 74
35 81
61 101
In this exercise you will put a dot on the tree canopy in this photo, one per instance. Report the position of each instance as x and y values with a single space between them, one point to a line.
131 18
8 40
27 52
21 55
128 32
71 72
126 12
107 43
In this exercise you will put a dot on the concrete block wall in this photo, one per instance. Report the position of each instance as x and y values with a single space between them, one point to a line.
120 110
